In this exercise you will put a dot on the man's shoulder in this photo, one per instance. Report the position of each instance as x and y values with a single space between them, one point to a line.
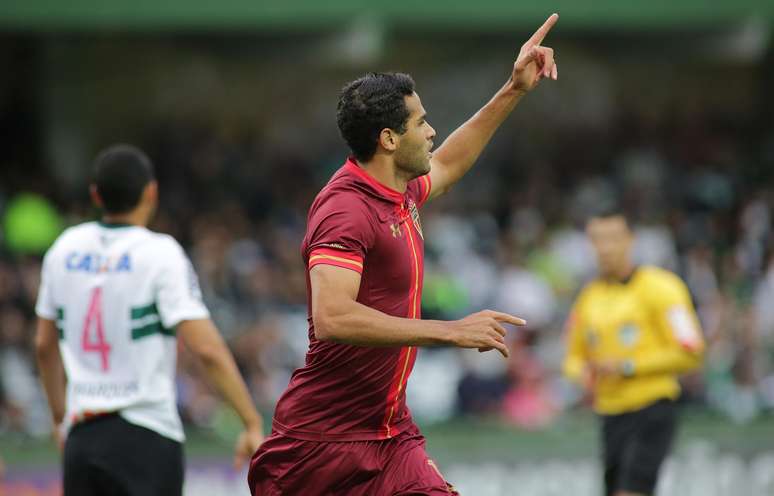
419 189
661 287
79 230
656 278
342 181
72 236
162 246
340 195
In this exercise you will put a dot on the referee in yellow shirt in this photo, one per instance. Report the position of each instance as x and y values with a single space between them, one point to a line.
631 332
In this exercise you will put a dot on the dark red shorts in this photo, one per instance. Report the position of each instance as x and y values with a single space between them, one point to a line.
394 467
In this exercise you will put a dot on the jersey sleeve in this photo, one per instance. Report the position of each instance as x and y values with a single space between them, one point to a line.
341 233
178 296
575 356
419 189
677 325
45 307
676 315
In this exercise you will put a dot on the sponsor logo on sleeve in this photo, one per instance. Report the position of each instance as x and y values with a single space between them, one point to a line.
337 246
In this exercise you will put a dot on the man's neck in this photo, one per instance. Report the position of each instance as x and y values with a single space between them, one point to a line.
382 168
624 274
133 218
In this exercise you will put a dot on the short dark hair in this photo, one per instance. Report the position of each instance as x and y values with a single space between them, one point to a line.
121 173
369 104
605 212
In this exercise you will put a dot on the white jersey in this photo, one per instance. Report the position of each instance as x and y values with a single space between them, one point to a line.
116 294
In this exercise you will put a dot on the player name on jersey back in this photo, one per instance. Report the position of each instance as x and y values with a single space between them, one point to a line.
116 294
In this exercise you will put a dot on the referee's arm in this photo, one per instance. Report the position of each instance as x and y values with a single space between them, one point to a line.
575 366
675 358
680 332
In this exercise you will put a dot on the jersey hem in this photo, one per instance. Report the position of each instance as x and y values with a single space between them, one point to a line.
175 320
633 407
130 417
45 315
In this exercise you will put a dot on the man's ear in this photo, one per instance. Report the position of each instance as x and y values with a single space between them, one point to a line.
389 139
95 198
151 193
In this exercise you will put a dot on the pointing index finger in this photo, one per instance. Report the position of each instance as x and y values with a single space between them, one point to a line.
537 38
510 319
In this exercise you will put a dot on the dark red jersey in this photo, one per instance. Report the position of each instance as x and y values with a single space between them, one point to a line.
347 392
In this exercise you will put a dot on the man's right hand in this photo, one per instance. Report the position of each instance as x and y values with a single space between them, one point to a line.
534 61
483 330
247 444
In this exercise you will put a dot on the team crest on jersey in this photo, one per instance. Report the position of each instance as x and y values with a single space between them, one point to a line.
628 334
414 211
395 228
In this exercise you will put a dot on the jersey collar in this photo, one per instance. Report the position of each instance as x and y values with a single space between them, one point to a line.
385 191
626 280
113 225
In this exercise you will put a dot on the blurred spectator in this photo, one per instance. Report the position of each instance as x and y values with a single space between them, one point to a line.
529 403
24 409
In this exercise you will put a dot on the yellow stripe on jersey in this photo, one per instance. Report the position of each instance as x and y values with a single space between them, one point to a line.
338 259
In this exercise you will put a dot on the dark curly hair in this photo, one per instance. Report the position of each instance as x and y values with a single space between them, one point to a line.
369 104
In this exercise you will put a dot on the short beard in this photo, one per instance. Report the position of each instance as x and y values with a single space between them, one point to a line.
413 169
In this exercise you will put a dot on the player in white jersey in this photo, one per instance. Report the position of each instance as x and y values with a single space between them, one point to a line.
113 298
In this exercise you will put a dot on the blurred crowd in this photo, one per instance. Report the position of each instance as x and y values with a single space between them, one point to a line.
510 237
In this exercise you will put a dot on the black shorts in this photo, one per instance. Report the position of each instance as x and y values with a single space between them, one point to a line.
634 445
110 456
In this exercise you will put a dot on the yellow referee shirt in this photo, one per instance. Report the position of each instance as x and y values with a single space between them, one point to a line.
648 324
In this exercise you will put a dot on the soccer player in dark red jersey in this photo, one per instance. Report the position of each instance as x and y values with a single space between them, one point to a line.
342 427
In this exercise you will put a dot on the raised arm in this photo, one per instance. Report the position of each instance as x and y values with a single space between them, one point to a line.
338 317
461 149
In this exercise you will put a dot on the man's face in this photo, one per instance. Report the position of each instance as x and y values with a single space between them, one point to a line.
413 152
612 241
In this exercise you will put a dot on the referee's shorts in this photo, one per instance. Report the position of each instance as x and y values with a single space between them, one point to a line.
109 456
634 444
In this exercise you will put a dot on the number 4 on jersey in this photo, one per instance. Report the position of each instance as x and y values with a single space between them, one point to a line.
94 320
